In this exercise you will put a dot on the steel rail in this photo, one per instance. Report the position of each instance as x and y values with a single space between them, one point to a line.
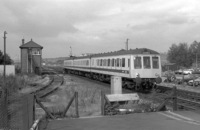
185 98
57 82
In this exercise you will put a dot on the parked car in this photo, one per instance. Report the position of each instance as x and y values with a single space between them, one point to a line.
188 71
178 72
196 71
185 72
196 82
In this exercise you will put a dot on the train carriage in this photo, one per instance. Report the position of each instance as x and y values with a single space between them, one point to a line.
142 63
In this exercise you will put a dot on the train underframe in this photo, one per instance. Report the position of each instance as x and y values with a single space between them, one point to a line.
136 84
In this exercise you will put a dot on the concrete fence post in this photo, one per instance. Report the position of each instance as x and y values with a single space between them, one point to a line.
102 103
174 98
28 111
76 104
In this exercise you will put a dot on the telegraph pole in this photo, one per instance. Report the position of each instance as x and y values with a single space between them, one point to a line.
127 44
70 54
5 92
4 62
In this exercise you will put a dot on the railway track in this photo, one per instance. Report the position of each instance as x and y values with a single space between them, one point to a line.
186 100
53 85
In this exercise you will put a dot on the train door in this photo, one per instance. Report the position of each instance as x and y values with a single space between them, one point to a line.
131 66
135 66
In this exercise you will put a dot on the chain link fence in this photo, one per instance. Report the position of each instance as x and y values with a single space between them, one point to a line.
3 110
16 109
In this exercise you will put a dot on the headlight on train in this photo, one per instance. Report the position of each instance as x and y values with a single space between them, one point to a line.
157 75
137 75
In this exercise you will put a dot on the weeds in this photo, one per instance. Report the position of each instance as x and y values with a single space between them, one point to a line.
13 99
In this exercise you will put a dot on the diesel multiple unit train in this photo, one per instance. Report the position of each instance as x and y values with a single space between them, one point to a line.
139 68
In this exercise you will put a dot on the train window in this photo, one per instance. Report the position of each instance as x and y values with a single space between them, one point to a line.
155 62
104 62
117 62
120 62
123 62
137 63
101 62
146 62
128 62
113 62
108 62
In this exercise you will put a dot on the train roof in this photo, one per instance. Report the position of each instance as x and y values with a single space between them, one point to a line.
120 52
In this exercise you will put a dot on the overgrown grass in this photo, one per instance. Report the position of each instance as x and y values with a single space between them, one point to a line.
13 85
89 100
89 97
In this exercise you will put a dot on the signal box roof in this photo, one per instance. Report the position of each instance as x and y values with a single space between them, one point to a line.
31 44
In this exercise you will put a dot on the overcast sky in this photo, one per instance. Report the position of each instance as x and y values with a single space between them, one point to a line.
96 26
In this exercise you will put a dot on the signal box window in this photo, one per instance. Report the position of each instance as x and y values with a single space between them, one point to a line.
155 62
146 62
137 63
123 62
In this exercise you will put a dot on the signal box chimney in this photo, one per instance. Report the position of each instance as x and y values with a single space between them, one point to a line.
23 41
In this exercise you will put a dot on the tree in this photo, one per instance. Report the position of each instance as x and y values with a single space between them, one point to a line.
179 54
194 53
8 59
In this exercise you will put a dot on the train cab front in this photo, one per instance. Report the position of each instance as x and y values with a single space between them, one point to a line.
146 84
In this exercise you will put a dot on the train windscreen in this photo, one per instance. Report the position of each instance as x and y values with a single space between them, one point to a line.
147 62
155 62
137 62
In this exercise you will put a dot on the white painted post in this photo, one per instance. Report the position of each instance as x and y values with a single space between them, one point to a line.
116 85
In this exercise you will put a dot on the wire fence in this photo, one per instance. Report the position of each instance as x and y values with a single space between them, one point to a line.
9 114
3 110
16 111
